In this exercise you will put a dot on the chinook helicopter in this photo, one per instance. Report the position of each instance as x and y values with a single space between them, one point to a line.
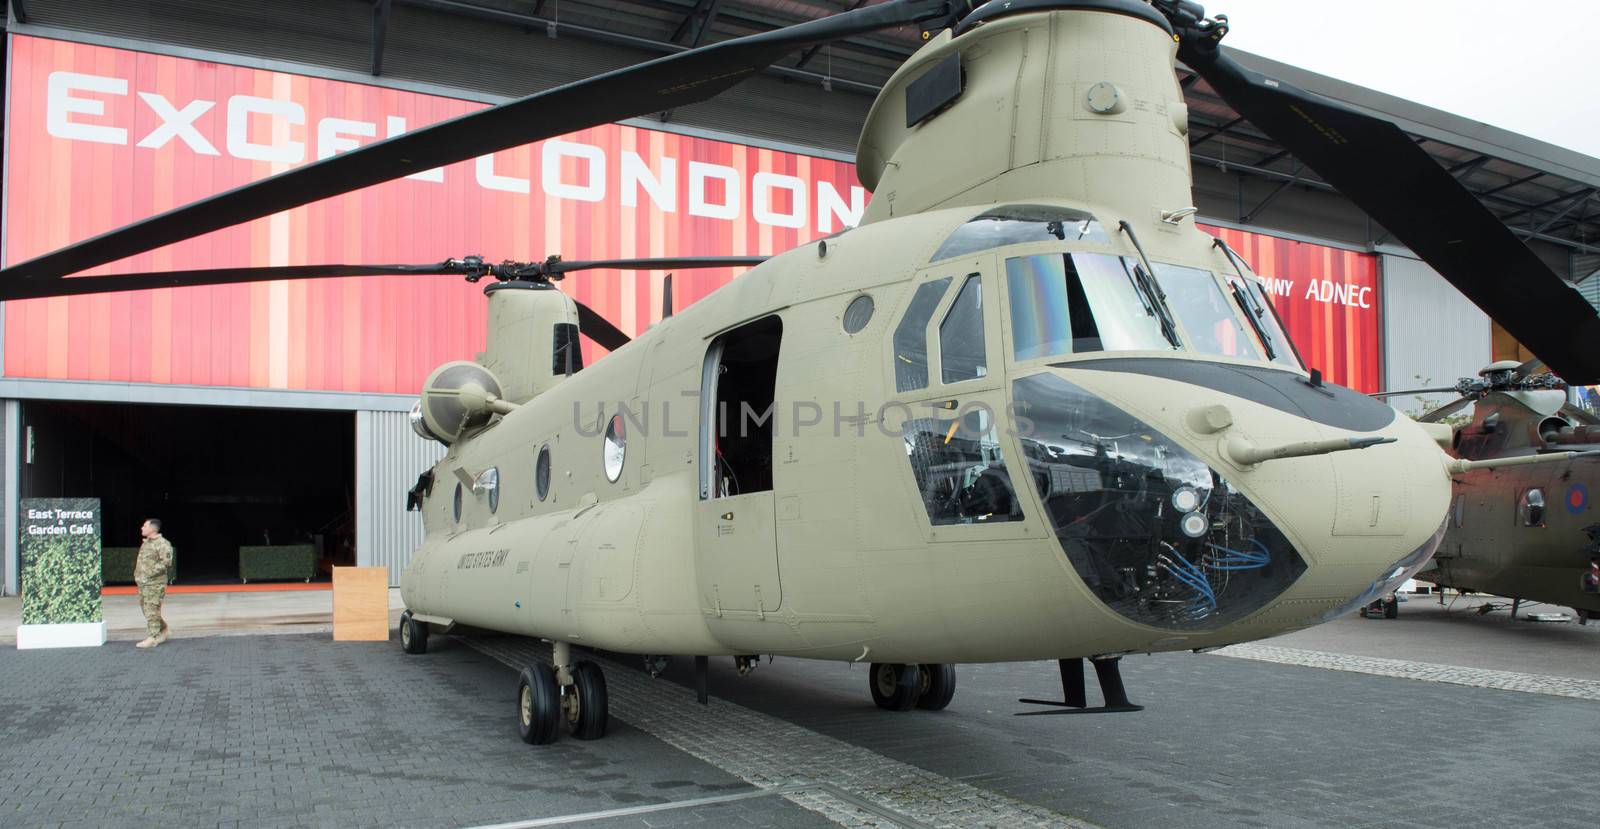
1527 532
1026 410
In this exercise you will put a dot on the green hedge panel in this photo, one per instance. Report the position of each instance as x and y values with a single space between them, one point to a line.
278 562
116 565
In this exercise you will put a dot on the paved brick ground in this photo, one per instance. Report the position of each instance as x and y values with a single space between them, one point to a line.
287 730
296 730
1224 743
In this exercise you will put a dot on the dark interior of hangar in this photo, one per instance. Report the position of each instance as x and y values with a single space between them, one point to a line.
219 478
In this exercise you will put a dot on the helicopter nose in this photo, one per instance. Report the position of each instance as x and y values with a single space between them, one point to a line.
1190 495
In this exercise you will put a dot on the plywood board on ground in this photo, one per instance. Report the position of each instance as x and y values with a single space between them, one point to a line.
360 604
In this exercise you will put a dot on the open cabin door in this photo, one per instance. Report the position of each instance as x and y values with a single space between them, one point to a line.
736 553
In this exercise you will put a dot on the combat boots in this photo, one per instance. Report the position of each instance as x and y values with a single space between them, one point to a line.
164 635
148 642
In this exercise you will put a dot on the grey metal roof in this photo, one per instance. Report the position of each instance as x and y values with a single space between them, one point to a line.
1540 190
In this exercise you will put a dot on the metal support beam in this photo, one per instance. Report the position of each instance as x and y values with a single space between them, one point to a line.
1466 168
1255 213
688 20
1233 167
1581 195
706 20
1582 198
807 55
1215 132
629 41
380 32
19 10
1508 185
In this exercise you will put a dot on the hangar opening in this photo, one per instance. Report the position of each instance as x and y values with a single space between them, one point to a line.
278 482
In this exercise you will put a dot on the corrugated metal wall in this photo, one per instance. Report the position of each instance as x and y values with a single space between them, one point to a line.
1433 335
389 457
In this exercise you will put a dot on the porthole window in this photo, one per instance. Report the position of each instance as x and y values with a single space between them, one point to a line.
615 449
541 472
458 503
487 483
857 314
1531 510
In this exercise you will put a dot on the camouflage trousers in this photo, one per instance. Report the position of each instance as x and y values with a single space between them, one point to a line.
150 597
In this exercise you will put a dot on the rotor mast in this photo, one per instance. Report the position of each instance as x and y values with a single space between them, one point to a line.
1081 104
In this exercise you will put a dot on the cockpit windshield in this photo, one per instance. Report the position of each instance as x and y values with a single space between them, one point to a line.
1209 319
1018 224
1078 302
1085 302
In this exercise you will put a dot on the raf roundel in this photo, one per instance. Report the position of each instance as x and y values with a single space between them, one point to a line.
1577 498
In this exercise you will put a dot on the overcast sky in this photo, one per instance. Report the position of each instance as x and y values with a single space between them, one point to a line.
1531 67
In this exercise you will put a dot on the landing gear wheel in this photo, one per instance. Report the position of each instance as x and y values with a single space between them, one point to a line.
895 687
938 687
538 705
1391 608
584 702
413 634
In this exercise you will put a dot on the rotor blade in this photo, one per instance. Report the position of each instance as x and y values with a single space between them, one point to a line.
1528 369
215 276
1379 168
1412 391
665 83
599 329
666 297
1446 410
1577 414
561 266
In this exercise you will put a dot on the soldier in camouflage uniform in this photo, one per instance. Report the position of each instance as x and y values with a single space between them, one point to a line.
150 572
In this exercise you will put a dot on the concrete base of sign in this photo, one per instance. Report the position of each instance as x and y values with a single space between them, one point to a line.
80 635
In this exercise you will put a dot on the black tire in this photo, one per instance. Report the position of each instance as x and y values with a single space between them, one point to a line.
538 705
895 687
413 634
1391 609
938 687
589 710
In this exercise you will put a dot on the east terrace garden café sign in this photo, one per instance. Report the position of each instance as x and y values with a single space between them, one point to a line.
60 545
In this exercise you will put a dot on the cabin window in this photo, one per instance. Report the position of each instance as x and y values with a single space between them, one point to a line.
1531 508
857 314
738 394
458 503
541 472
960 469
961 346
1076 303
911 336
615 449
487 483
1019 224
1210 322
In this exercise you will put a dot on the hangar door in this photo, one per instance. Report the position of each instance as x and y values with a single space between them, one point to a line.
219 478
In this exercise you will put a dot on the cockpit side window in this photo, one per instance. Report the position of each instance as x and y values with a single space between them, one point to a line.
1019 224
961 470
1210 321
961 345
1077 303
911 336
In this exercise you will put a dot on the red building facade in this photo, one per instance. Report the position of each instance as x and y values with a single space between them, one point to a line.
100 136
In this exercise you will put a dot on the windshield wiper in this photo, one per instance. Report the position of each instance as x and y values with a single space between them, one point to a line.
1253 310
1149 289
1255 323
